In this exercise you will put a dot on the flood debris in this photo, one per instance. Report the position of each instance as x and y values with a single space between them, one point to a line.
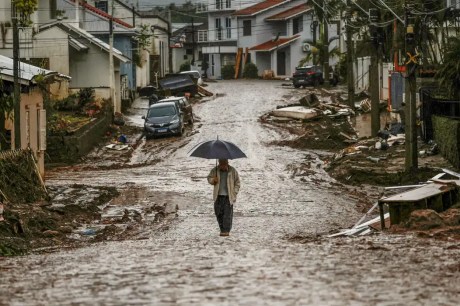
296 112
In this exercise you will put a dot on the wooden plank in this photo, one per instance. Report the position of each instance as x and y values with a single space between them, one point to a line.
238 62
418 194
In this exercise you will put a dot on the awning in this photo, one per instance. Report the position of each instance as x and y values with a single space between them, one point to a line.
77 45
272 45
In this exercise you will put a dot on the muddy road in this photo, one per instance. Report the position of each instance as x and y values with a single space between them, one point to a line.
275 254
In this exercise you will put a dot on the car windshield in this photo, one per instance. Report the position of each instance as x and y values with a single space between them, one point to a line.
304 69
161 111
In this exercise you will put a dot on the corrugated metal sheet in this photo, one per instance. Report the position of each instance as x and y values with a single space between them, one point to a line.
27 72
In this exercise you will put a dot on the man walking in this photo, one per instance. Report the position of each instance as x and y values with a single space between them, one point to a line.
226 183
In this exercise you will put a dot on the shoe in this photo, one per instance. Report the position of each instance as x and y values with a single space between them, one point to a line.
225 234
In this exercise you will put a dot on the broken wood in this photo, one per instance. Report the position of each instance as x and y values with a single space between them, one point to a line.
205 92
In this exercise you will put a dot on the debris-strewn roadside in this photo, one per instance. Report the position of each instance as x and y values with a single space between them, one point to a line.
77 215
319 121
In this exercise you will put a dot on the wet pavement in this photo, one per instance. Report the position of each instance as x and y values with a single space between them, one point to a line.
188 263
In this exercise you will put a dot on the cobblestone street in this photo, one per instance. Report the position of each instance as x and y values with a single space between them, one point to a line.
188 263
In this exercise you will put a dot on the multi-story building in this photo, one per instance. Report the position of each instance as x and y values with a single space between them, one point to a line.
219 42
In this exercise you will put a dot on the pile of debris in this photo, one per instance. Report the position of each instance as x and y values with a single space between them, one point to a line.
321 125
434 204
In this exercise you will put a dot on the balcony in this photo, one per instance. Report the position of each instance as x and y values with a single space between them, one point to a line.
220 6
216 35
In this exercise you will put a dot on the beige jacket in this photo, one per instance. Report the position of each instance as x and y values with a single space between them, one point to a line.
233 183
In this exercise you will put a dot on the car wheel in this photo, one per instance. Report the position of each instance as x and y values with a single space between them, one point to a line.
181 132
296 86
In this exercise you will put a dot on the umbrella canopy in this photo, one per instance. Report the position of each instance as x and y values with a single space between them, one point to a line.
217 149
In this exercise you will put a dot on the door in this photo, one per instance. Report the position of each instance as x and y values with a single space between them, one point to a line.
281 63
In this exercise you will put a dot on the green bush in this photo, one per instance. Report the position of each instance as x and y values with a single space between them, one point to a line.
67 104
86 96
185 67
447 136
250 71
228 72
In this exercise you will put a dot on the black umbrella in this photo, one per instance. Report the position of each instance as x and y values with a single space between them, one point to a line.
217 149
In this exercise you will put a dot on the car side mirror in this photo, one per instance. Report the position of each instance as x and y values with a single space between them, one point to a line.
143 117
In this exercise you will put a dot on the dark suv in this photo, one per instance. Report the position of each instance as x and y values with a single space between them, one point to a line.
307 75
184 106
163 119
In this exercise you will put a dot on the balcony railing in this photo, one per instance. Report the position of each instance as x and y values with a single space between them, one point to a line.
219 34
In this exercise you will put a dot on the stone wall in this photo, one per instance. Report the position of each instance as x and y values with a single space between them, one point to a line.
69 148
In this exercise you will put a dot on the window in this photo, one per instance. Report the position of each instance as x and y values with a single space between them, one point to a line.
202 35
228 25
102 5
219 5
297 25
228 3
189 51
218 29
247 28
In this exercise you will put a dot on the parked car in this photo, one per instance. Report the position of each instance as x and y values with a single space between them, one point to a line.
163 119
178 84
195 75
307 75
184 106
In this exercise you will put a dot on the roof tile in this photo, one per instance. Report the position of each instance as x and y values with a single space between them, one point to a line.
259 7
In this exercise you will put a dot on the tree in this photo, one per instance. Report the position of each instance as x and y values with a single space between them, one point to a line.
25 8
449 71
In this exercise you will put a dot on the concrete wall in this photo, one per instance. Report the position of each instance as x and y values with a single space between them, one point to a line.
53 44
90 68
31 104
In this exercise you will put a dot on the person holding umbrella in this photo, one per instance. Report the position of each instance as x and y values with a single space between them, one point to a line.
226 183
224 177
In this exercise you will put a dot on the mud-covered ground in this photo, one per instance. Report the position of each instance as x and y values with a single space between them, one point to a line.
335 139
277 252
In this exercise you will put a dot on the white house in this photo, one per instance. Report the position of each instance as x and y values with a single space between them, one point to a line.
274 32
219 41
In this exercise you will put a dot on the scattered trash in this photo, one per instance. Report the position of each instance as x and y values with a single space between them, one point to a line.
309 101
365 105
122 139
117 147
203 92
296 112
373 159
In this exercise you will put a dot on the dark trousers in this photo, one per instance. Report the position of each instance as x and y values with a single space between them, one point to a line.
224 213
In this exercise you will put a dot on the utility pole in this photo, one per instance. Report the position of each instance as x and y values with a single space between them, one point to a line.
411 161
193 43
326 45
374 81
170 57
350 57
116 106
17 86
